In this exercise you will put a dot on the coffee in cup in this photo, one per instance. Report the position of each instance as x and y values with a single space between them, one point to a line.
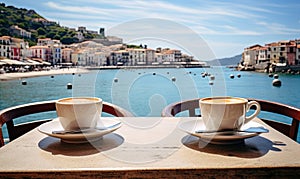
226 113
79 112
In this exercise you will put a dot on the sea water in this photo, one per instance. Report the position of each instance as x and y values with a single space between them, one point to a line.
145 92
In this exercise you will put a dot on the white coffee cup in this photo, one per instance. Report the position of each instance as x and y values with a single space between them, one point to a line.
78 112
222 113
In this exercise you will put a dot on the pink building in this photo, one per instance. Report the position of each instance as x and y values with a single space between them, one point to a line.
41 52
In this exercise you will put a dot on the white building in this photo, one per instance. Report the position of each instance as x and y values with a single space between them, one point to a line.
100 59
158 58
262 55
19 31
5 48
150 56
250 55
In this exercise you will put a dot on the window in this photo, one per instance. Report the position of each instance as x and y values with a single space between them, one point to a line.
282 48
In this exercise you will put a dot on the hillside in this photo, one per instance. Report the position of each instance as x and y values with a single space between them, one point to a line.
226 61
32 22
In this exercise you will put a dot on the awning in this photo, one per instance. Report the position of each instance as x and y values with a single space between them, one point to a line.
12 62
33 62
46 63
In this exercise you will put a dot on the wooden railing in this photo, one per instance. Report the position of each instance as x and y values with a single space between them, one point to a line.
291 130
8 115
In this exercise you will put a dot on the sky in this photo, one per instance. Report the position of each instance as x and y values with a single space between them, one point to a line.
226 27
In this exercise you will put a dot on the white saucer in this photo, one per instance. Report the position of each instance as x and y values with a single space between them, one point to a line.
55 125
222 138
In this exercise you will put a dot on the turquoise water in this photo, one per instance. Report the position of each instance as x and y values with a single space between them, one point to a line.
145 92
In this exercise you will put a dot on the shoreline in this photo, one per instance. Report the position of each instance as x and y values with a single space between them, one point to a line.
19 75
145 66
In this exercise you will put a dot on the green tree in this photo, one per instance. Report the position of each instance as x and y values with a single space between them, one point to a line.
62 32
4 31
56 37
66 40
41 31
51 34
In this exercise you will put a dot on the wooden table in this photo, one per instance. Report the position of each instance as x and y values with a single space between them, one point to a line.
150 148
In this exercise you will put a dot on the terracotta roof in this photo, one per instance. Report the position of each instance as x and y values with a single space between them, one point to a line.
44 39
253 46
5 37
263 48
38 47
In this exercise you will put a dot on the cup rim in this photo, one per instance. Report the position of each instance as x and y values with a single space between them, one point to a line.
242 100
97 100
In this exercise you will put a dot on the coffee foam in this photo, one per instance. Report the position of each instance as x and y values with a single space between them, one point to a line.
78 100
223 100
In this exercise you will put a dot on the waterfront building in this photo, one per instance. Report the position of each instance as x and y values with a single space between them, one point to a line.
250 55
263 55
177 55
158 58
100 59
67 55
297 61
5 48
150 56
120 57
18 49
281 54
55 56
291 53
13 48
187 58
137 56
41 53
74 57
168 56
79 58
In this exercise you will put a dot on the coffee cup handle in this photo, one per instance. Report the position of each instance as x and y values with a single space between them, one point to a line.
256 112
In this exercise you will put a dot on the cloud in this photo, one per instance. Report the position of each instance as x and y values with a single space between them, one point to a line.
205 18
276 28
223 19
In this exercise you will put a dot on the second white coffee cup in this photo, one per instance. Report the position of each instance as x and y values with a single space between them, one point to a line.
222 113
79 112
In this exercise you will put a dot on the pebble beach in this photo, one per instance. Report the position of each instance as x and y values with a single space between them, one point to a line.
19 75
